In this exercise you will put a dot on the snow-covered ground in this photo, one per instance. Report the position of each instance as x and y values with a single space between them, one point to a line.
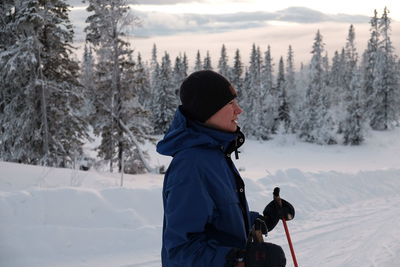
347 201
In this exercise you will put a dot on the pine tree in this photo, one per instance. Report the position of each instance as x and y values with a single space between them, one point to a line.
167 101
40 93
185 65
336 82
252 106
179 74
198 65
237 74
223 67
269 98
351 58
86 78
369 65
118 111
293 95
207 65
133 117
353 125
317 125
283 110
386 83
326 71
154 79
142 83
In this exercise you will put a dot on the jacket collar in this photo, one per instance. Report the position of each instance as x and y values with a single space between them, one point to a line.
185 133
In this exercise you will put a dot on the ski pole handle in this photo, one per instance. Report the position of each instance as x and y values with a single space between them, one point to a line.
277 198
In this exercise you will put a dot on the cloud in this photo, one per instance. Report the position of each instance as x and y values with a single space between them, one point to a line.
164 24
167 2
161 24
185 33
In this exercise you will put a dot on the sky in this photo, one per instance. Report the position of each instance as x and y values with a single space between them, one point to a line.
185 26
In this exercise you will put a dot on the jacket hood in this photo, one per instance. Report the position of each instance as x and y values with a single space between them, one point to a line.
185 133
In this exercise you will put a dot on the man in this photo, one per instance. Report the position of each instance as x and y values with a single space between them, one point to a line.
206 216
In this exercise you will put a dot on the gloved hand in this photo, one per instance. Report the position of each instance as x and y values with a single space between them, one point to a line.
256 255
273 212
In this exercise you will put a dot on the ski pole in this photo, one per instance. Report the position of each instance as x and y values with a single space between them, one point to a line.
279 201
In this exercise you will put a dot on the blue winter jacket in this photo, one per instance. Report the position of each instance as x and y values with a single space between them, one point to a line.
205 209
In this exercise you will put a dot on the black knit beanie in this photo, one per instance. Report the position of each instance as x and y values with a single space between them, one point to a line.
203 93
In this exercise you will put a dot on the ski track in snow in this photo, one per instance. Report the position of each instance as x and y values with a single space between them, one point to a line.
362 234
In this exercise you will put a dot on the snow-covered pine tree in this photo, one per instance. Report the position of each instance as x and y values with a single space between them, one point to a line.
154 74
317 125
290 70
368 66
353 125
236 77
41 96
87 68
327 70
244 103
336 80
142 83
185 64
115 122
293 95
351 58
223 67
252 105
269 98
207 64
132 117
283 109
87 76
386 83
166 100
198 64
178 75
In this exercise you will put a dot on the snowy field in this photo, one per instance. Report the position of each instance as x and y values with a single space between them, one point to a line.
347 201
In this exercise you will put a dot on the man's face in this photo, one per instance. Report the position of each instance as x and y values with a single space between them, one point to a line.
226 118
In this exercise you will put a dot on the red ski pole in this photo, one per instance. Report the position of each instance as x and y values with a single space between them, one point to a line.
290 242
278 199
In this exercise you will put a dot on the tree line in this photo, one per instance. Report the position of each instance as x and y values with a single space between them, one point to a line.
50 102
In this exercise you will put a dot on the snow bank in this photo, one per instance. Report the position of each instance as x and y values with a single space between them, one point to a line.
105 225
347 200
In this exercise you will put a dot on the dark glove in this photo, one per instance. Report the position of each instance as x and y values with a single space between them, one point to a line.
273 212
257 255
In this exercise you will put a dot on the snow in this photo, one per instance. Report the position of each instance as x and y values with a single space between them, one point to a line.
347 202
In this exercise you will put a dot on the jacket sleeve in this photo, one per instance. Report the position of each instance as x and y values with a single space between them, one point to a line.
253 216
188 208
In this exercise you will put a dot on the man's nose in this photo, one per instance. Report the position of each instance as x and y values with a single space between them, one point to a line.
238 109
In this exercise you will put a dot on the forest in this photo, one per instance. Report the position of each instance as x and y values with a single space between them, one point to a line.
52 104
